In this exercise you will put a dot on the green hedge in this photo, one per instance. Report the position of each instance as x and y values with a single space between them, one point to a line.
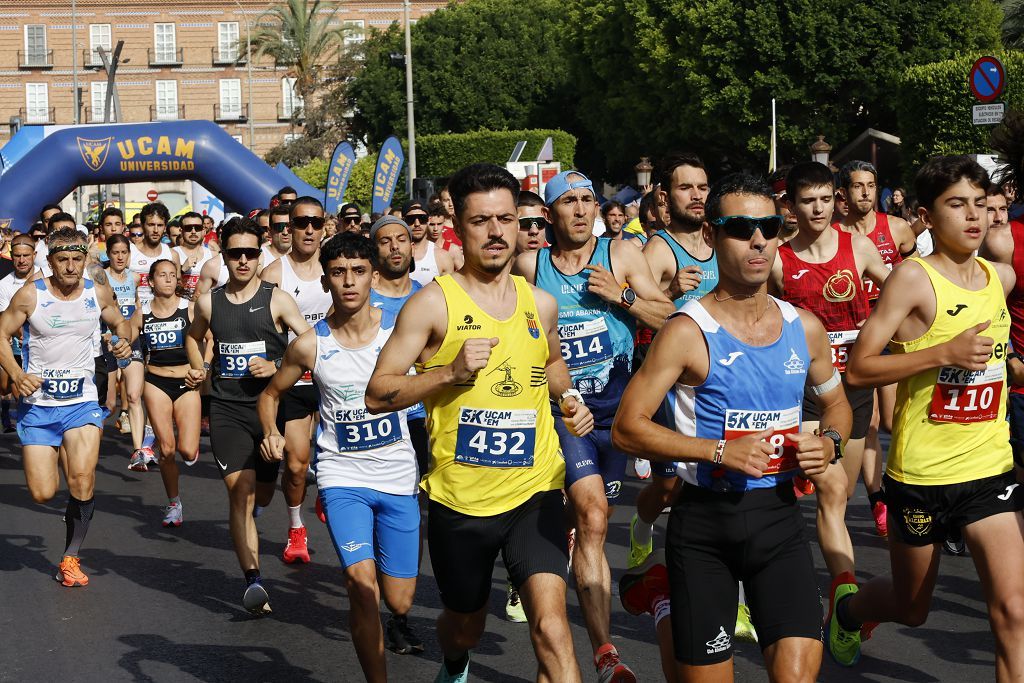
933 106
442 155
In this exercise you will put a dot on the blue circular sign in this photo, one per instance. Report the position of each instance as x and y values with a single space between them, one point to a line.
987 79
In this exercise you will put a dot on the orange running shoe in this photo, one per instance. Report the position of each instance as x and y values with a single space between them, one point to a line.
296 549
70 573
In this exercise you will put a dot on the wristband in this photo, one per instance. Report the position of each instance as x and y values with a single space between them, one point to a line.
574 393
828 385
719 451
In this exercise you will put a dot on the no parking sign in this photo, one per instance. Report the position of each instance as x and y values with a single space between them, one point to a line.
987 81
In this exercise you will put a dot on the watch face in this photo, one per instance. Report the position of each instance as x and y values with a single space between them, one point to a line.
628 295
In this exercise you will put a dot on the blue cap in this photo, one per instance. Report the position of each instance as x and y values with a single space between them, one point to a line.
560 184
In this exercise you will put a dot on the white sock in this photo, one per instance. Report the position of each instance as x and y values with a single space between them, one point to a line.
295 515
642 531
743 595
175 501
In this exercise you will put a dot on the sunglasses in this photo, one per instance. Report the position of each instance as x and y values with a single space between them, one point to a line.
135 234
532 223
280 227
351 220
192 228
303 222
744 227
416 218
236 253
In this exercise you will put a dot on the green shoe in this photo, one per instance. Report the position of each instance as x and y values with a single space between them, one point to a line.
744 629
637 552
514 611
843 645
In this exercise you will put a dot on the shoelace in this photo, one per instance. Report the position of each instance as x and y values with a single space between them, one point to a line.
608 660
71 565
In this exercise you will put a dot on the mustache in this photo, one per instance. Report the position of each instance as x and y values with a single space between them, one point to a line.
496 241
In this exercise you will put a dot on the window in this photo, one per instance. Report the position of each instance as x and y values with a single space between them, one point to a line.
166 100
230 98
165 45
98 94
289 98
227 41
37 103
35 45
99 36
355 31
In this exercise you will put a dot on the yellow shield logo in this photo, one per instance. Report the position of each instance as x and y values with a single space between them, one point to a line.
94 152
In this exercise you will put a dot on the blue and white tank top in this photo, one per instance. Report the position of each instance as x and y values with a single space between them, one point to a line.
596 337
708 268
9 286
124 291
353 447
748 389
58 346
391 305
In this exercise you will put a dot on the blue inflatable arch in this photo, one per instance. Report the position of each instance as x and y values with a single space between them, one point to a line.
134 152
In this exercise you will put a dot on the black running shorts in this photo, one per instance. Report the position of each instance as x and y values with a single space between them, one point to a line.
420 443
235 437
531 539
862 401
715 540
299 402
923 515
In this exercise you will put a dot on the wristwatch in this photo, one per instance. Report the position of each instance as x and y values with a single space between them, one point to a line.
628 297
837 439
571 393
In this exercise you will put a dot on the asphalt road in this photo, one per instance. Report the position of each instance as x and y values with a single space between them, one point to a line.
164 605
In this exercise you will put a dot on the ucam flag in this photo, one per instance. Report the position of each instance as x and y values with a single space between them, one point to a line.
385 177
342 163
205 203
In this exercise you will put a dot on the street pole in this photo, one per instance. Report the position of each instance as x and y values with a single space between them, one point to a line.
110 65
248 71
408 101
74 83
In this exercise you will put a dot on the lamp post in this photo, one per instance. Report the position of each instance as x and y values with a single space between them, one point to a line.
643 172
820 150
411 176
248 75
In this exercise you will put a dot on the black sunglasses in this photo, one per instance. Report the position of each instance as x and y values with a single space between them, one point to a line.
533 223
192 228
250 253
351 219
744 227
303 222
280 227
416 218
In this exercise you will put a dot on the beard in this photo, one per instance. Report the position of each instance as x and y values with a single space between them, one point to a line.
684 217
391 269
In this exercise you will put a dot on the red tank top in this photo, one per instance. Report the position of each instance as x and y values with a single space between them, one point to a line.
829 290
1015 302
881 237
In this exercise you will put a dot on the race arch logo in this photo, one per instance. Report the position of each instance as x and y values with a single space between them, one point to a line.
94 152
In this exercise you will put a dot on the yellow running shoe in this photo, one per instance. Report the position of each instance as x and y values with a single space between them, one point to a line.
637 552
745 630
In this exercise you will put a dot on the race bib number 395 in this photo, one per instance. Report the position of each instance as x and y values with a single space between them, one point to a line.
963 396
234 358
496 438
63 385
745 422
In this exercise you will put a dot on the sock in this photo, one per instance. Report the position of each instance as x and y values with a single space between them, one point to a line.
457 666
251 576
257 510
175 501
743 595
642 531
843 615
662 607
876 497
76 521
295 515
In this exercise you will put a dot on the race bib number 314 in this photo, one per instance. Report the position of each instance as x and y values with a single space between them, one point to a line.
496 438
745 422
963 396
585 343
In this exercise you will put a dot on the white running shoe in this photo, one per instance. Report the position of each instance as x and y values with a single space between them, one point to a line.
642 468
172 515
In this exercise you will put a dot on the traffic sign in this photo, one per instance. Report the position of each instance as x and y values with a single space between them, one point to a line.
987 79
152 195
988 114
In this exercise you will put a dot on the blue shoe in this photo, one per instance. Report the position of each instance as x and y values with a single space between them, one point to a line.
444 677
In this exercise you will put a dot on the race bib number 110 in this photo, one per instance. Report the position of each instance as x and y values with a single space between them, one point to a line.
964 396
496 438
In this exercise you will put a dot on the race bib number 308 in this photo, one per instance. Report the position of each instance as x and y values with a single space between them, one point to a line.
234 358
496 438
841 343
963 396
745 422
63 385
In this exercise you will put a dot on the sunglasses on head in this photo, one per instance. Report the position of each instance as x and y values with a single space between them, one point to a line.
351 220
303 222
192 228
533 223
279 227
416 218
744 227
250 253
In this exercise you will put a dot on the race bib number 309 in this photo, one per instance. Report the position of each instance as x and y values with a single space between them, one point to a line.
963 396
234 358
496 438
745 422
169 334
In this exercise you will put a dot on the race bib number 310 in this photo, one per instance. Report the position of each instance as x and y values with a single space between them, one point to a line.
745 422
963 396
63 385
496 438
234 358
357 430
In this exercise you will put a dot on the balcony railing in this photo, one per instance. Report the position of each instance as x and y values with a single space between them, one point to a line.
290 113
37 114
166 113
238 113
35 59
174 57
91 58
219 57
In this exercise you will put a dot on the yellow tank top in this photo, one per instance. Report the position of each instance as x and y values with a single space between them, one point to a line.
950 424
492 439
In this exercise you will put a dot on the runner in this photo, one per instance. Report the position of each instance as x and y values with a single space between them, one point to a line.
436 216
248 319
734 365
950 464
300 275
23 251
58 395
171 395
428 260
365 466
613 213
486 350
602 287
111 223
192 253
533 224
154 219
277 233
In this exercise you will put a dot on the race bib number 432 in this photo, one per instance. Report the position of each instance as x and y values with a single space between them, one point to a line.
963 396
234 358
496 438
745 422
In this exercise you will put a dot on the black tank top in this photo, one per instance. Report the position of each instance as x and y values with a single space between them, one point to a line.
241 331
163 339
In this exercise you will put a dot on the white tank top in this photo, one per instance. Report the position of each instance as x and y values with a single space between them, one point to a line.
425 269
140 264
354 448
313 301
190 277
222 275
58 342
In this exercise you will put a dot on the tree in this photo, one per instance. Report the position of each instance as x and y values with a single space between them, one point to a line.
1013 23
481 64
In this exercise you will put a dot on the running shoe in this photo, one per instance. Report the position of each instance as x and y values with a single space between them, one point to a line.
401 639
954 543
610 668
70 572
138 462
637 552
444 677
843 645
642 468
124 425
256 601
151 458
639 586
320 510
296 549
745 630
879 512
514 611
172 515
802 487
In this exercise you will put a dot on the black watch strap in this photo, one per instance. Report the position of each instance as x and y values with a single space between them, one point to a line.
837 439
